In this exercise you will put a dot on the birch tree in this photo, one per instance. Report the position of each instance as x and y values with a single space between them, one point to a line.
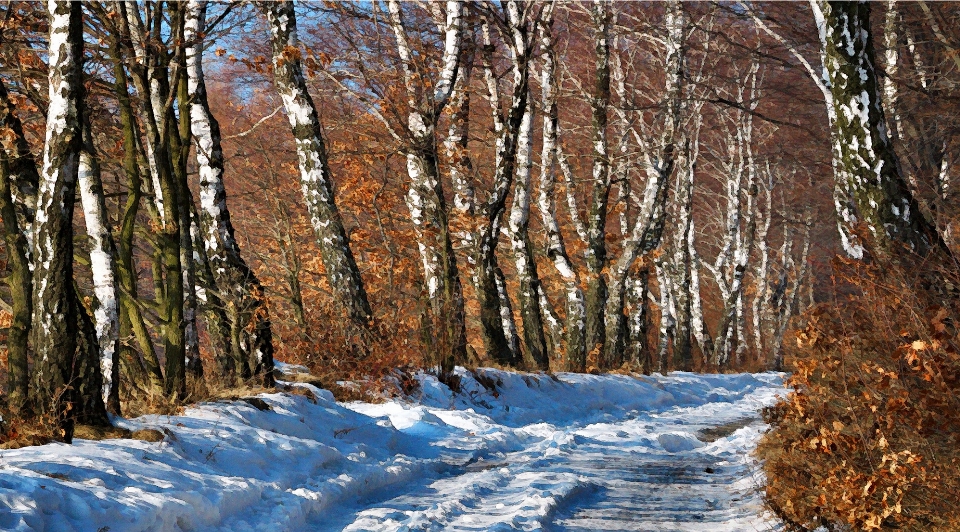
425 197
595 255
731 265
575 348
63 377
146 366
866 164
660 160
238 288
315 176
496 318
534 340
103 254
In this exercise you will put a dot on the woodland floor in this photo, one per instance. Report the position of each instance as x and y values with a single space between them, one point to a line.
510 452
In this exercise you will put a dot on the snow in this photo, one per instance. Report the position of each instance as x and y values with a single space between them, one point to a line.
566 452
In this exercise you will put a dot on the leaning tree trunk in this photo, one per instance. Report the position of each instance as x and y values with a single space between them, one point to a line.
315 177
103 258
238 288
865 164
57 312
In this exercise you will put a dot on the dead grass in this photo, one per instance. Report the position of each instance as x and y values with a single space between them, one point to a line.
17 431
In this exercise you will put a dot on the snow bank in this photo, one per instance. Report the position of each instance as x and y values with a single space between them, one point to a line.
232 466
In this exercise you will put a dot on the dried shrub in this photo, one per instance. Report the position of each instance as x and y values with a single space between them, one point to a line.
18 431
868 437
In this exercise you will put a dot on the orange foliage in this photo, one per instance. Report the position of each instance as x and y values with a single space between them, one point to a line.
869 436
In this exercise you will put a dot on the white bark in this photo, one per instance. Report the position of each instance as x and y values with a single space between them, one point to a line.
866 164
102 264
547 203
315 179
151 107
843 203
520 209
421 124
731 264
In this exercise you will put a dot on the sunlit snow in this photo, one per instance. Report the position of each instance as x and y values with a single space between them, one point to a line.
571 452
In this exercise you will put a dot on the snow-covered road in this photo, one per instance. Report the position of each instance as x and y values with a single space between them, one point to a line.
604 469
520 452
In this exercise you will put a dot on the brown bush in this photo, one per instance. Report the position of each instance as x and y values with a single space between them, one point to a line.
868 438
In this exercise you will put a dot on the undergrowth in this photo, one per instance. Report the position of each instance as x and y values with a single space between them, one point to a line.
869 437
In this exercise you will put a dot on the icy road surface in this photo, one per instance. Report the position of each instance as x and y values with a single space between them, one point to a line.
518 452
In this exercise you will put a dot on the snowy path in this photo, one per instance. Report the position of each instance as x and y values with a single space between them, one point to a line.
572 453
646 471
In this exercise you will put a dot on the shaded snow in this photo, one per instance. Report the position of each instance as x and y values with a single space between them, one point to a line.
571 452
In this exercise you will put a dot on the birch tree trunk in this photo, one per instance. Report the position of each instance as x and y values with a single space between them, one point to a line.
846 217
648 228
534 340
575 348
425 197
866 164
497 328
456 147
595 254
57 313
760 310
668 320
315 178
238 289
681 262
179 142
637 350
103 254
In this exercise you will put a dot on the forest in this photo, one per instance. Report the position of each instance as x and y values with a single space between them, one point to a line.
197 193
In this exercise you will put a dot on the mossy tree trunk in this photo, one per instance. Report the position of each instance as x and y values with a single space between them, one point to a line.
131 318
866 166
17 169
